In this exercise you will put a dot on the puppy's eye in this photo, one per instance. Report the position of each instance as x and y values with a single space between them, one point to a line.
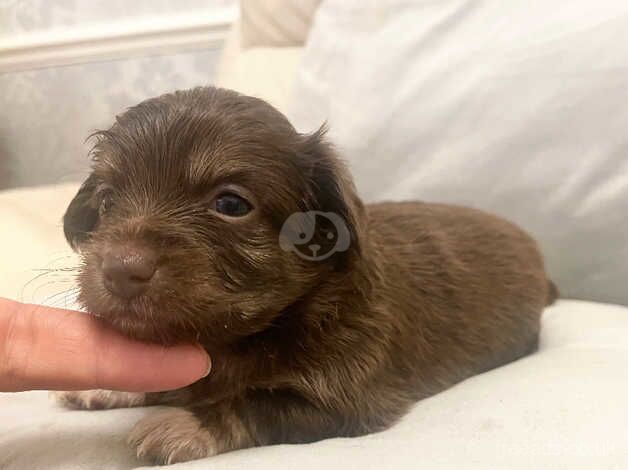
231 205
105 204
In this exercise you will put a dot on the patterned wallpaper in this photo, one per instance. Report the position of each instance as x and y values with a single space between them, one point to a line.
46 114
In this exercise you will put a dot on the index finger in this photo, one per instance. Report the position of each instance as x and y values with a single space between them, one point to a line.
54 349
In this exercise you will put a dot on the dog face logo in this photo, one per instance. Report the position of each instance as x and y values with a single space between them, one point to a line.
314 235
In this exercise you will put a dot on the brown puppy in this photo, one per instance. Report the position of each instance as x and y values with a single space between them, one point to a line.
209 218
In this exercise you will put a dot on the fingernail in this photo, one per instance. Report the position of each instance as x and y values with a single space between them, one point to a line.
209 361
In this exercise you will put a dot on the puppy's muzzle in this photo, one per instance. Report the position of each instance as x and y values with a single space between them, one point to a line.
127 270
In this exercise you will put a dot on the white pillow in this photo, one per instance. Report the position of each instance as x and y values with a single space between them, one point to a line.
276 23
517 107
264 72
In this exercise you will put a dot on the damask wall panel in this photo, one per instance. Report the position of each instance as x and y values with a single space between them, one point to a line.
47 113
27 16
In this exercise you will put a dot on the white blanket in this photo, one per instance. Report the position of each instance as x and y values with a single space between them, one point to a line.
563 407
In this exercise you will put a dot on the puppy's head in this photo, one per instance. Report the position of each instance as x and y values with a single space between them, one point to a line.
179 225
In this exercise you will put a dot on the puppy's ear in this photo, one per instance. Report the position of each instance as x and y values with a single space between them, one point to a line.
331 186
81 215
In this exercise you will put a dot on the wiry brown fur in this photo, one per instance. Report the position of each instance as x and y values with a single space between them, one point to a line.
426 295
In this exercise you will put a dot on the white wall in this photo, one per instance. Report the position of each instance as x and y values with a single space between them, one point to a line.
67 67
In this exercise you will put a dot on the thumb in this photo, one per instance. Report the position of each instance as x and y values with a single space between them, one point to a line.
54 349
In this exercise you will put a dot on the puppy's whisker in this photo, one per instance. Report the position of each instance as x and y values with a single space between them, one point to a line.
43 286
62 296
45 274
59 258
62 302
61 268
36 278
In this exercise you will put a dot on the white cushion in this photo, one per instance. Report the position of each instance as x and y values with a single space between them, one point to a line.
563 407
517 107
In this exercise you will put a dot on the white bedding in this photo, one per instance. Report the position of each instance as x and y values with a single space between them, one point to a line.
563 407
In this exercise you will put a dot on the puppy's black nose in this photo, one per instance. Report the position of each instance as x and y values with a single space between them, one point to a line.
128 270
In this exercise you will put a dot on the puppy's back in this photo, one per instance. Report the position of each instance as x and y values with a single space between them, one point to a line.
468 287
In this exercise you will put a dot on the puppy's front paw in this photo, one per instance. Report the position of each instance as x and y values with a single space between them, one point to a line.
171 436
98 399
